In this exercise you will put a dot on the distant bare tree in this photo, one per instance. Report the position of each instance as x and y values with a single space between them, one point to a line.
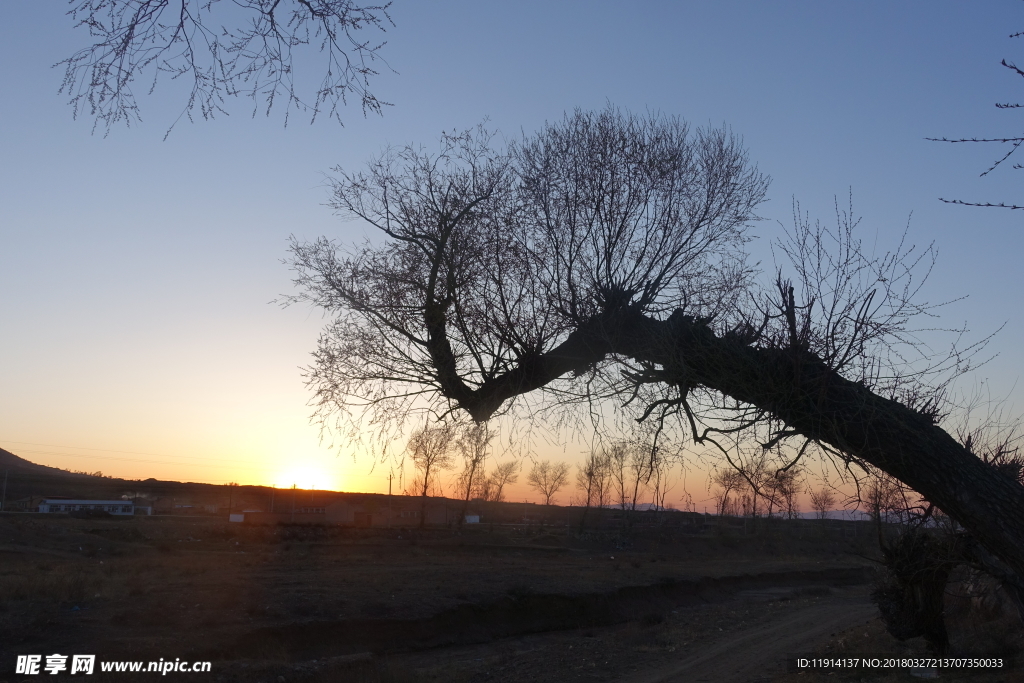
431 451
761 484
473 444
663 482
246 47
591 483
483 489
823 501
756 471
504 474
890 502
644 459
617 455
782 488
415 487
602 483
547 479
585 474
728 481
630 467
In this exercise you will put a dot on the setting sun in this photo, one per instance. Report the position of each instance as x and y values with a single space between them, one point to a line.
308 477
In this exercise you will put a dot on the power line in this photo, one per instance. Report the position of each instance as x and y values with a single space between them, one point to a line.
250 466
154 462
108 450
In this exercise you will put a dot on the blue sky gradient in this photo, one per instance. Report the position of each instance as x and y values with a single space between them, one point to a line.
136 273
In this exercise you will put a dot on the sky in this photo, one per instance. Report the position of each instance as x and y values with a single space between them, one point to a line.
138 333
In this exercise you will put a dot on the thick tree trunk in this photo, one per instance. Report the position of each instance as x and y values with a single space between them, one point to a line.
819 403
797 387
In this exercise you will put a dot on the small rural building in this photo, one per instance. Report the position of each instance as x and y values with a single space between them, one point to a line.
113 507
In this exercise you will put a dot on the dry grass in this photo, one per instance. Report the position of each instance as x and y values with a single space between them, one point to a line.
59 583
159 588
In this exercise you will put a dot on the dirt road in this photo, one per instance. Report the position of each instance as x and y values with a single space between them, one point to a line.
757 653
741 637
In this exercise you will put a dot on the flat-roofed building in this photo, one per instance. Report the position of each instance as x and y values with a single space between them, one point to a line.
113 507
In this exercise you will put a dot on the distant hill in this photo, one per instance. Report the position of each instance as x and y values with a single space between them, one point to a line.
10 461
27 481
24 479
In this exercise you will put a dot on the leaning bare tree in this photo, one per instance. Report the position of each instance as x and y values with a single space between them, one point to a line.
602 260
222 49
505 474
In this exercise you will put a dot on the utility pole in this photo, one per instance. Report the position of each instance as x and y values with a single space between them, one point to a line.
294 493
3 498
272 492
390 476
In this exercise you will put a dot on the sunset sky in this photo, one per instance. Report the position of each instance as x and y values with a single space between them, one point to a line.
137 333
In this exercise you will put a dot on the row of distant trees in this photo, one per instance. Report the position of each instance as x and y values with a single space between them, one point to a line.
755 490
435 450
623 474
630 475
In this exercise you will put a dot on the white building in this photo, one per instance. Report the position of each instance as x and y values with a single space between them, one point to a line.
114 507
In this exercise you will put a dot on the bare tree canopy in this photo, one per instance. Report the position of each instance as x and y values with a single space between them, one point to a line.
823 500
602 259
473 444
505 474
242 48
548 479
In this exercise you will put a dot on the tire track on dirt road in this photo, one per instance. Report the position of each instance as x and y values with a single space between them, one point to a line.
758 653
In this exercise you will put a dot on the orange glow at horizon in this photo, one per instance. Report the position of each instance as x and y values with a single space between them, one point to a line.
308 477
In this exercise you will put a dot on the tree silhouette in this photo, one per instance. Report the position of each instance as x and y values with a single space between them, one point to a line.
431 450
728 481
473 444
548 479
503 475
601 261
592 483
822 501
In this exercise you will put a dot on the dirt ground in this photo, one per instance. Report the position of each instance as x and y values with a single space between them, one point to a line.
476 605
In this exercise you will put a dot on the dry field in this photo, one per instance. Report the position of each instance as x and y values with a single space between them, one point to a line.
508 604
